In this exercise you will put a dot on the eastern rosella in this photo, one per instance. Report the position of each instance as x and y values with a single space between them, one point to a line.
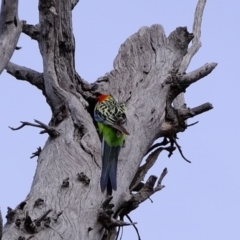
110 117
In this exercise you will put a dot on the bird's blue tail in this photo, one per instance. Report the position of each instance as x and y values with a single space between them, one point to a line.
109 167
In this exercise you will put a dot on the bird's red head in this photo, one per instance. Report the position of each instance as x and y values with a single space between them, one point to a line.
103 97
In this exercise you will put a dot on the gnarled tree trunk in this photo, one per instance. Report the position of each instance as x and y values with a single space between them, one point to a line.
65 200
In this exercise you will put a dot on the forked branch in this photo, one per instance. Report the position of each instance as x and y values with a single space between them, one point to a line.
148 189
180 82
144 193
50 130
109 222
105 216
150 161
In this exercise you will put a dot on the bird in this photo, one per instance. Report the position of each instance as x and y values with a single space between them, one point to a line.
110 117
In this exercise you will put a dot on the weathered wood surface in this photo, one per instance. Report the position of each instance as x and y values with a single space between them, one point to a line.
10 30
62 205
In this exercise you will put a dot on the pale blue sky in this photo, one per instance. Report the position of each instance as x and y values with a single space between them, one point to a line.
201 200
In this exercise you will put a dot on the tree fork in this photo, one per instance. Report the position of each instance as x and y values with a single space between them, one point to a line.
144 62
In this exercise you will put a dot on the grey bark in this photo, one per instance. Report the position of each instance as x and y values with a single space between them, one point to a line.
65 200
1 224
10 30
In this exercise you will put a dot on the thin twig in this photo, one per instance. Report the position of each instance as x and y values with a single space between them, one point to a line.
192 124
23 125
139 238
41 218
179 149
50 130
109 222
121 233
159 183
163 143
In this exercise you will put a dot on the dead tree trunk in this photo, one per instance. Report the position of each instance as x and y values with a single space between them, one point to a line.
65 200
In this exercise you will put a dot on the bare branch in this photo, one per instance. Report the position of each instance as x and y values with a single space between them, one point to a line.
43 217
192 124
50 130
174 141
31 30
27 74
196 44
136 229
197 74
180 82
145 193
149 189
163 143
74 3
105 216
10 30
159 183
25 124
29 225
150 161
109 222
192 112
202 108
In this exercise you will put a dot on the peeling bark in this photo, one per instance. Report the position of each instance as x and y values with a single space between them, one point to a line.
65 200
